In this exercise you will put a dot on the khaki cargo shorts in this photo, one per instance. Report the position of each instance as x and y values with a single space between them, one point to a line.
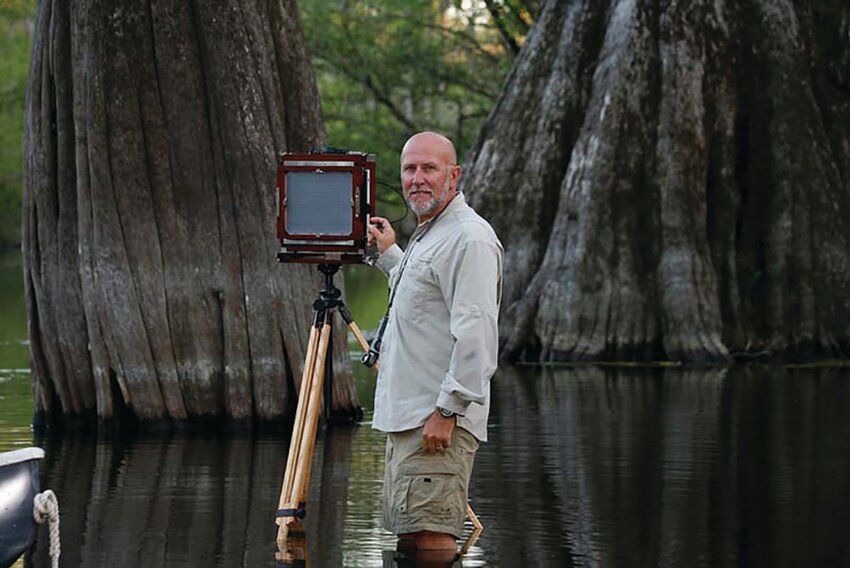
427 492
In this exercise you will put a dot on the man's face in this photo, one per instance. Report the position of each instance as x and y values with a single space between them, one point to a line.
428 176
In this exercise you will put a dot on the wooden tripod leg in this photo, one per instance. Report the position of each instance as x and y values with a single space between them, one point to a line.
470 542
349 321
293 552
473 518
303 460
314 409
298 425
364 345
477 529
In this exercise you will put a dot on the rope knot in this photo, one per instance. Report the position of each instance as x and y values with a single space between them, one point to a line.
46 508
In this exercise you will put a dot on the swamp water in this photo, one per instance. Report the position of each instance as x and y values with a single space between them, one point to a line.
587 466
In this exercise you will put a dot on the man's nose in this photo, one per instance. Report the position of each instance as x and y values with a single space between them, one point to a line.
418 177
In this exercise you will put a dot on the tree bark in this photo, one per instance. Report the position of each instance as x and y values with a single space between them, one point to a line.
671 182
151 143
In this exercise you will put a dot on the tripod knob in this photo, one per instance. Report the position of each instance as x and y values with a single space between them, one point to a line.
370 358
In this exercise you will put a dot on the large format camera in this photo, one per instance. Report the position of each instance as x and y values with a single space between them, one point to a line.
325 199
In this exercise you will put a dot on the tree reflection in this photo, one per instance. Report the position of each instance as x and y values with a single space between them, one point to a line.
621 466
189 501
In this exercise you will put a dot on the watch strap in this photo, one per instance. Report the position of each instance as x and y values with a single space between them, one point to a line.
446 413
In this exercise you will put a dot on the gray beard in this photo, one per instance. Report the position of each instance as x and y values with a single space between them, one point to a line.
431 205
424 209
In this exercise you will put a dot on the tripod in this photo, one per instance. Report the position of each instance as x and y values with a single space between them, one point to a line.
318 372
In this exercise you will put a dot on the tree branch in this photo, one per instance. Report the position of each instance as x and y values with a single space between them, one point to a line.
380 96
500 24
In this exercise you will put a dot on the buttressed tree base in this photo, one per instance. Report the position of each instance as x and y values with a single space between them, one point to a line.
672 181
152 134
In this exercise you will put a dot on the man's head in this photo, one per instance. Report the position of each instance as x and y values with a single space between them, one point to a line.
429 173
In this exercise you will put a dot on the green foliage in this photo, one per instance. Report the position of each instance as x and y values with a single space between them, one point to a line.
16 25
13 317
366 292
513 19
387 69
15 10
16 408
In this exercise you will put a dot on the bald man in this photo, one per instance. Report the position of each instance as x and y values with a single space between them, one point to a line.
439 350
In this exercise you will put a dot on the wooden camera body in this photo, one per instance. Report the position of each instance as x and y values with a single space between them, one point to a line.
325 200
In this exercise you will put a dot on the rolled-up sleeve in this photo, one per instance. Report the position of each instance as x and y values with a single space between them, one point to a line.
471 284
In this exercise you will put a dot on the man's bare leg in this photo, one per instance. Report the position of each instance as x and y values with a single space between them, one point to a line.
429 548
406 542
428 540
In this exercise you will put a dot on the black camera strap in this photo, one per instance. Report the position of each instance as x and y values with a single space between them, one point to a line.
371 357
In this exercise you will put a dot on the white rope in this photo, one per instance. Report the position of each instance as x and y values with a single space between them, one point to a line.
46 507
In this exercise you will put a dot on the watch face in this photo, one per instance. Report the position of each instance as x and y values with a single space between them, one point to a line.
446 413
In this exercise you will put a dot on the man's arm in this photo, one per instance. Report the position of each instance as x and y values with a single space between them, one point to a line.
471 284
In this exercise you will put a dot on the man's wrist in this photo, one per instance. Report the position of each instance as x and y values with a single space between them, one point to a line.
452 402
446 413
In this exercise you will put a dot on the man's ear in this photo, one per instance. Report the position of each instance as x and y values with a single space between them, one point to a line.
456 169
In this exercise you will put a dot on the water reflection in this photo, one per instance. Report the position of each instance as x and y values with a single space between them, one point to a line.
745 466
619 467
187 501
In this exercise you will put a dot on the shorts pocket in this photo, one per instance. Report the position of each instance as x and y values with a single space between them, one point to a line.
435 498
400 492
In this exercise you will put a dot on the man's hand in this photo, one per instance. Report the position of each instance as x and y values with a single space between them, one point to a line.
437 433
381 233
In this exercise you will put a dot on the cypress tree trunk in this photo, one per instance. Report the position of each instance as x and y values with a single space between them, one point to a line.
152 135
671 182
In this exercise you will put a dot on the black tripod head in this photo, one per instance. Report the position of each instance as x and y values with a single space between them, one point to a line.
329 295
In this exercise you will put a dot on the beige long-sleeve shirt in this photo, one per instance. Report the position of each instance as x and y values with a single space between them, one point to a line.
440 347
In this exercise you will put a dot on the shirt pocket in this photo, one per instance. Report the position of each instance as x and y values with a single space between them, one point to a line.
417 291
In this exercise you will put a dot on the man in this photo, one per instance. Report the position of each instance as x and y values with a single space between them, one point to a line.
439 349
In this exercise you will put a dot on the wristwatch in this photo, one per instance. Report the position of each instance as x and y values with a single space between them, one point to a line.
446 413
